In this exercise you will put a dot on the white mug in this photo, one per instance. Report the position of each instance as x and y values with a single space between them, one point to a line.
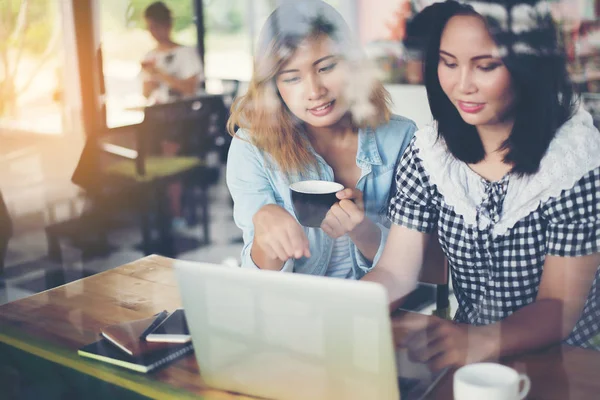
490 381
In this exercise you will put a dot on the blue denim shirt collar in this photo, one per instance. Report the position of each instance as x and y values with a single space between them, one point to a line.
368 152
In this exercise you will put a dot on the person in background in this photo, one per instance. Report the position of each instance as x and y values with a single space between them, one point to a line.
313 110
509 177
170 72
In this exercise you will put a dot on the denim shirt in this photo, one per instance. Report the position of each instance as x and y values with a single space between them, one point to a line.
254 182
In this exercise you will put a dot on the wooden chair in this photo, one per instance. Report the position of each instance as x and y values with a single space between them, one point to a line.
196 124
119 188
138 178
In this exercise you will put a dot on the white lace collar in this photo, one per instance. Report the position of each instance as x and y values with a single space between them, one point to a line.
573 152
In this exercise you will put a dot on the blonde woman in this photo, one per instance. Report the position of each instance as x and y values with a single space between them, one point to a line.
312 111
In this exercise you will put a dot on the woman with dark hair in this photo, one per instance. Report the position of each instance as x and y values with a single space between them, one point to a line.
313 111
509 177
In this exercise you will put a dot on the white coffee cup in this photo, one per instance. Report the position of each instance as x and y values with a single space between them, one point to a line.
490 381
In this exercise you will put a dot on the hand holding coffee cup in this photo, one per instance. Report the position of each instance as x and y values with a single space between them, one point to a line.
278 234
490 381
313 199
345 215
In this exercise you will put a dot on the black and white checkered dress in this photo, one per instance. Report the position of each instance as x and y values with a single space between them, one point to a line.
496 235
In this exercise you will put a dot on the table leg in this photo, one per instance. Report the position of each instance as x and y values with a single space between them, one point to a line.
145 225
205 214
163 220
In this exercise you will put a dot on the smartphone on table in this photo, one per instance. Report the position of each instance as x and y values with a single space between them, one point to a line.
173 329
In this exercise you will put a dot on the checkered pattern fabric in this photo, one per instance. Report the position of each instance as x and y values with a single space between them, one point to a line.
493 276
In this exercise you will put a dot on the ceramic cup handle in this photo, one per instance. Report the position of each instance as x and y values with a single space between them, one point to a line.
526 386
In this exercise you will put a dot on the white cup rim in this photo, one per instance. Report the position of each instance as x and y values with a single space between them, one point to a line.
316 187
466 373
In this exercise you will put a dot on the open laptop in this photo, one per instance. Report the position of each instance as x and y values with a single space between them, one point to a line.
289 336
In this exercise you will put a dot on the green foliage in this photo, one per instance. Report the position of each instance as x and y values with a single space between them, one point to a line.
37 29
236 20
28 29
224 16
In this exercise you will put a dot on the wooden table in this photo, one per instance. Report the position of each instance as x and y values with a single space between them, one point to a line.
558 373
54 324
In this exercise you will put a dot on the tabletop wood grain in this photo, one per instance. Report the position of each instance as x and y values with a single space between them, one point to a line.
55 323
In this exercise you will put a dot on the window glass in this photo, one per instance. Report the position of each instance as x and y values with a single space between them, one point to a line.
232 27
32 66
125 42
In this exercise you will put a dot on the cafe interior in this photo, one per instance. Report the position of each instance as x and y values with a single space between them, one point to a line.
88 234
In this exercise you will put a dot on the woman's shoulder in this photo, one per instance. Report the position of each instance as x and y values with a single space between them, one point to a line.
242 134
243 154
243 139
429 133
425 136
578 140
396 134
571 155
392 138
397 123
242 142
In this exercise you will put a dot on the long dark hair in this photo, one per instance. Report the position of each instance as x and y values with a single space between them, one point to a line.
544 94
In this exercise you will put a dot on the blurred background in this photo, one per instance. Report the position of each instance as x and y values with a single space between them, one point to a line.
70 99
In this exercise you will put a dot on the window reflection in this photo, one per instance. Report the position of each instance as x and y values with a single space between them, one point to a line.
32 66
230 27
125 43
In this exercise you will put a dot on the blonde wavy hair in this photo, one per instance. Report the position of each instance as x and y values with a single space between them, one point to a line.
261 112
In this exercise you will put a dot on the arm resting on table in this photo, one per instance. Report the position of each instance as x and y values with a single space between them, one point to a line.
566 282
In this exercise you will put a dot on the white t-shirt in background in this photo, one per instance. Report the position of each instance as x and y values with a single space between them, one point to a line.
181 62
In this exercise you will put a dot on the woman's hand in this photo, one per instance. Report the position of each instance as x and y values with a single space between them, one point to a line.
278 234
149 67
155 74
149 87
346 215
440 343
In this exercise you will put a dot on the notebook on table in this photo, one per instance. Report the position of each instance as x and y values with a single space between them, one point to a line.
105 351
126 336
